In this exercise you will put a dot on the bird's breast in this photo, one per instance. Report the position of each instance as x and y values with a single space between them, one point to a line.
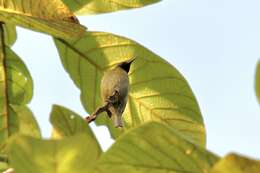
114 80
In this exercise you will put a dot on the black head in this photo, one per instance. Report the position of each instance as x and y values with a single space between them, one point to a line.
126 65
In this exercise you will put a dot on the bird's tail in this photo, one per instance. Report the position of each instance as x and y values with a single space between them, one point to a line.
118 122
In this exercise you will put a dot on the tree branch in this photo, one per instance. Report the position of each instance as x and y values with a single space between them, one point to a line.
99 110
109 102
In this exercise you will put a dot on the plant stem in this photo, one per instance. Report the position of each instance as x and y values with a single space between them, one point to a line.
4 88
99 110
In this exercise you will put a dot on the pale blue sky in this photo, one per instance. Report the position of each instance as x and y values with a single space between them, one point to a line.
215 44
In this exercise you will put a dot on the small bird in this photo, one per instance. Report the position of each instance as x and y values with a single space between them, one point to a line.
114 91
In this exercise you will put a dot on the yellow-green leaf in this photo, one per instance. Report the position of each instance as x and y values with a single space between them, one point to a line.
10 34
257 81
15 89
77 154
27 123
234 163
67 123
16 84
84 7
158 92
49 16
20 84
3 166
154 148
3 162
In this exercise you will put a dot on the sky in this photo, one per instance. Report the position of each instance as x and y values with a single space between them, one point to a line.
215 44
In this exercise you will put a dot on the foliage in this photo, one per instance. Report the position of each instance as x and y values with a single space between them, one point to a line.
172 103
85 7
16 91
236 164
164 129
49 16
154 147
53 156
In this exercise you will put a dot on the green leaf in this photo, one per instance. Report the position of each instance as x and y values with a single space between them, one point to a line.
257 81
67 123
154 148
3 163
74 154
83 7
158 92
27 123
3 166
20 84
234 163
10 34
49 16
16 88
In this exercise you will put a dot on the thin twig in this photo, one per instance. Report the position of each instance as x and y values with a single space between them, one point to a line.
109 102
99 110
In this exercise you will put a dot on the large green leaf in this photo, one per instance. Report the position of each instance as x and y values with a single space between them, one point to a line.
234 163
257 81
82 7
76 154
10 34
15 89
49 16
155 148
67 123
158 92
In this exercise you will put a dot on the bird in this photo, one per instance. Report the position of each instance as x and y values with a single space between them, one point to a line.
114 91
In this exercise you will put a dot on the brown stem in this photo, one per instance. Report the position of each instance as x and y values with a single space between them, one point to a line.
109 102
3 69
99 110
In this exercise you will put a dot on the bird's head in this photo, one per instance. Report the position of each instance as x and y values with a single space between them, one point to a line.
126 64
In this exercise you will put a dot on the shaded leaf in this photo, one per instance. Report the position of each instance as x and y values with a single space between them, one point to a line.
49 16
27 123
3 166
74 154
154 148
234 163
257 81
20 84
15 89
82 7
10 34
3 163
67 123
158 92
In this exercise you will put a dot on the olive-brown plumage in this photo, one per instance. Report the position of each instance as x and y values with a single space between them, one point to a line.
114 90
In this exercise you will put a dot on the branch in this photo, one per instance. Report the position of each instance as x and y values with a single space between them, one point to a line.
99 110
109 102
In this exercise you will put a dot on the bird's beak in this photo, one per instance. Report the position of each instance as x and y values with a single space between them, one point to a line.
126 64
